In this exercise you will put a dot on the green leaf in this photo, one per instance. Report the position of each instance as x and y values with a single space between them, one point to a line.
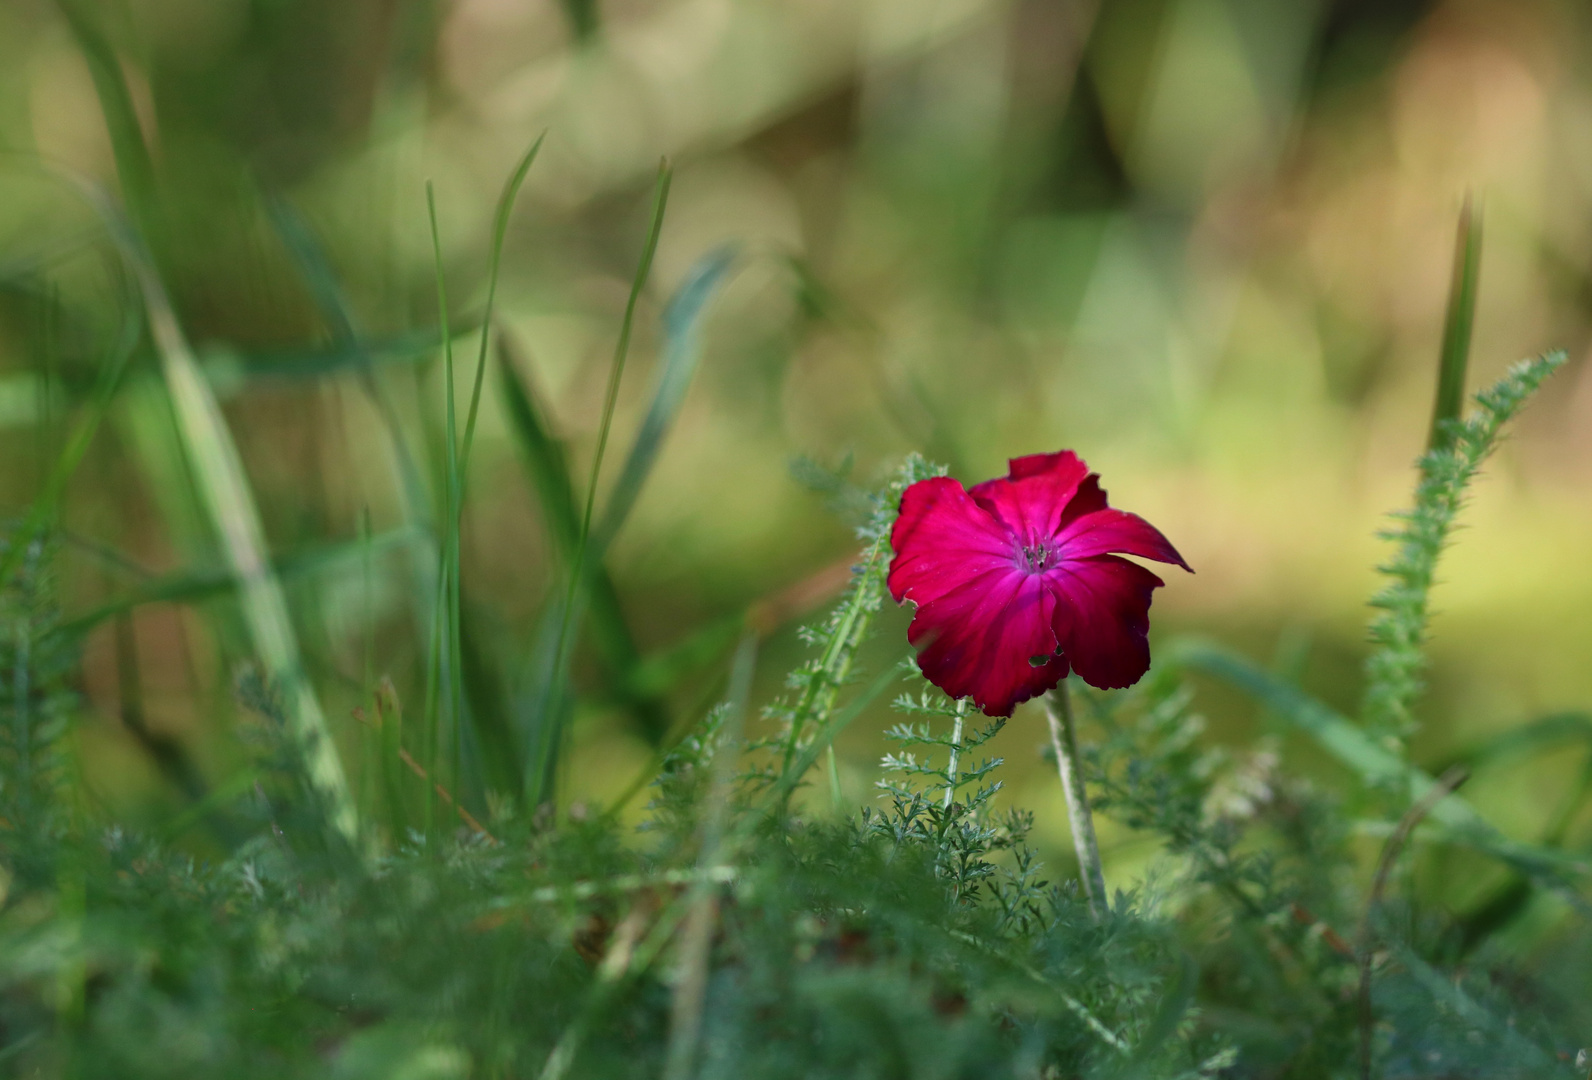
682 348
1458 322
224 488
194 586
545 460
134 166
501 757
1375 765
341 356
1523 740
663 671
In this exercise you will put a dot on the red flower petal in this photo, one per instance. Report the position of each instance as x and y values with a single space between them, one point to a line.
1021 468
1021 568
1103 621
942 540
1108 531
977 640
1032 499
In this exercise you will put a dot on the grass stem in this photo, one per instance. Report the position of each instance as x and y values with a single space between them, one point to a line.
1058 706
956 752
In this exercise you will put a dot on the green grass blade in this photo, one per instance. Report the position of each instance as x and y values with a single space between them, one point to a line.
545 459
583 18
541 451
194 586
1373 763
45 505
663 671
1458 323
1533 737
450 631
500 228
317 275
616 371
574 601
351 352
445 620
134 166
342 356
682 348
225 491
502 758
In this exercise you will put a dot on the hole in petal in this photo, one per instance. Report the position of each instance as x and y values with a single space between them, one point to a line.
1039 661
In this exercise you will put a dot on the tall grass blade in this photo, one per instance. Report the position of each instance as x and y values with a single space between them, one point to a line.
212 455
616 371
682 348
134 166
445 617
350 351
490 723
224 489
43 511
547 462
500 228
544 457
583 18
575 598
1374 764
690 990
342 355
501 758
195 586
1526 740
542 452
1458 323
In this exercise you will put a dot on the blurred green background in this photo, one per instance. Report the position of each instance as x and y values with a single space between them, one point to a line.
1206 243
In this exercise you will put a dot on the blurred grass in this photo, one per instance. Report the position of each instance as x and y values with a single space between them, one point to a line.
1204 242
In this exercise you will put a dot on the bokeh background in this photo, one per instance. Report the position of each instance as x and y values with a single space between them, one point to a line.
1207 243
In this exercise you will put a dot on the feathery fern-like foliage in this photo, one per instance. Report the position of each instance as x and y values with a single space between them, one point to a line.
919 939
804 714
36 667
1398 631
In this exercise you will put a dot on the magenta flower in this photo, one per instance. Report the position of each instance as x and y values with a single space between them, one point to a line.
1016 581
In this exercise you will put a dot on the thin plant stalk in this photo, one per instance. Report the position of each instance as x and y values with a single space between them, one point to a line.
443 610
1446 785
1058 706
224 489
696 941
616 372
500 228
956 751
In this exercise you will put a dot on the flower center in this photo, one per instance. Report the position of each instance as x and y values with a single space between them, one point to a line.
1037 557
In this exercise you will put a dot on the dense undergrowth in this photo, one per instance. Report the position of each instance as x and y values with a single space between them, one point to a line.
443 914
733 937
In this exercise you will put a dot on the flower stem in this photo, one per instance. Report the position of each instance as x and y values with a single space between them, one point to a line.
956 753
1058 705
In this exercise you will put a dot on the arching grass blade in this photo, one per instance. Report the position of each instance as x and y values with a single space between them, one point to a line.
546 461
1458 323
682 348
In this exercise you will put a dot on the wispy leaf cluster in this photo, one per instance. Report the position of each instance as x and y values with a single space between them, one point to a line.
1394 670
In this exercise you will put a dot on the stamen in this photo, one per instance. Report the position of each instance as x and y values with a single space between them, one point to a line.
1036 556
